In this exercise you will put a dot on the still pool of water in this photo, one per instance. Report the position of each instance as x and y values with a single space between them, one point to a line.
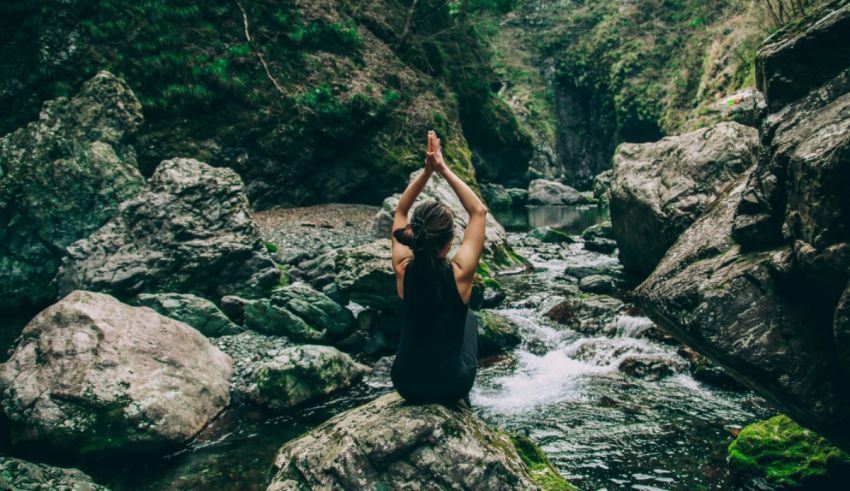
601 428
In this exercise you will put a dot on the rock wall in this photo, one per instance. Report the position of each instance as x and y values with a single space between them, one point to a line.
757 282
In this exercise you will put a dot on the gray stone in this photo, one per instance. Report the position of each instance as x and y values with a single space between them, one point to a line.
841 329
190 233
596 284
20 475
95 377
651 367
495 333
600 245
197 312
389 444
61 178
542 192
550 235
660 188
301 374
301 313
601 185
365 275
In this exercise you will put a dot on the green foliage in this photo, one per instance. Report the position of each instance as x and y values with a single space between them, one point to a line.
786 454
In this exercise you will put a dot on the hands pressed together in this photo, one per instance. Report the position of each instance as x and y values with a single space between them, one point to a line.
434 156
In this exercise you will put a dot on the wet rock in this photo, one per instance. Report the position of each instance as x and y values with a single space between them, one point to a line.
586 314
497 251
248 350
394 445
705 370
365 275
495 333
17 474
602 185
542 192
95 377
841 329
599 231
197 312
493 294
234 307
301 374
597 284
300 313
61 178
600 245
191 226
660 188
651 367
784 454
496 196
550 235
375 333
804 55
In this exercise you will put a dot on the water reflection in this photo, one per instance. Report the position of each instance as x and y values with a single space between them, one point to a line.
570 219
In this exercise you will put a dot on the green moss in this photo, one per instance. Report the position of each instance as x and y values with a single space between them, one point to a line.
787 454
271 247
543 472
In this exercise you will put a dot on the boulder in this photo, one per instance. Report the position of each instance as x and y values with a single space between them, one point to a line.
596 283
496 196
390 444
365 275
588 315
785 455
301 374
804 55
95 377
601 185
17 474
300 313
598 231
197 312
756 283
660 188
495 333
543 192
61 178
249 350
740 310
192 226
375 333
600 245
841 329
497 252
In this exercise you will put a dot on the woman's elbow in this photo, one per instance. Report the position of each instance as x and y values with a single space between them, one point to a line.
480 210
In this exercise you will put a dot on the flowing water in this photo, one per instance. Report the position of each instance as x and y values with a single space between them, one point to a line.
601 428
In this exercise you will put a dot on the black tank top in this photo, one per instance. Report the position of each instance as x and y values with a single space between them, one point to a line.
429 365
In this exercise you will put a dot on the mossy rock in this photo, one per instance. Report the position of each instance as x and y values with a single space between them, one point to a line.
786 454
550 235
542 471
495 333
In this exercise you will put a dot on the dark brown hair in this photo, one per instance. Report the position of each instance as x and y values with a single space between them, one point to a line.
431 227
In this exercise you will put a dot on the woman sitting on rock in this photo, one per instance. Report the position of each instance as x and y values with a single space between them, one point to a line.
437 355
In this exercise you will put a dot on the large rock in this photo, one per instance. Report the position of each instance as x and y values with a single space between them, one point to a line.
496 333
300 313
660 188
190 233
497 252
743 311
17 474
197 312
61 178
804 55
365 275
543 192
389 444
301 374
757 283
93 376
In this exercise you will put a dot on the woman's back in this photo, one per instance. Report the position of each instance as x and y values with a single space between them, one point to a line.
435 359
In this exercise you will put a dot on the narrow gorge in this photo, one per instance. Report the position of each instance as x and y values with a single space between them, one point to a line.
196 202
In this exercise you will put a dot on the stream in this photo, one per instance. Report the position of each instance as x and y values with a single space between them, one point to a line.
603 429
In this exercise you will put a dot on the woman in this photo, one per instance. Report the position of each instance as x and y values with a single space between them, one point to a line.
437 354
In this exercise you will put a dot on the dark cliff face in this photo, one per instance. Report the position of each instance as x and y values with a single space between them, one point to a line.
320 100
760 282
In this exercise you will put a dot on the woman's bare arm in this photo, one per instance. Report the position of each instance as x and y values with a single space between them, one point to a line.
401 254
467 256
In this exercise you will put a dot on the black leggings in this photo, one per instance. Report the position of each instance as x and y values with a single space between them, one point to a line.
451 389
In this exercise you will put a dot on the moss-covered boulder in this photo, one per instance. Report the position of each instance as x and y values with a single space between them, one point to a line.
550 235
190 232
20 475
495 333
95 377
197 312
390 444
61 178
301 374
301 313
788 455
